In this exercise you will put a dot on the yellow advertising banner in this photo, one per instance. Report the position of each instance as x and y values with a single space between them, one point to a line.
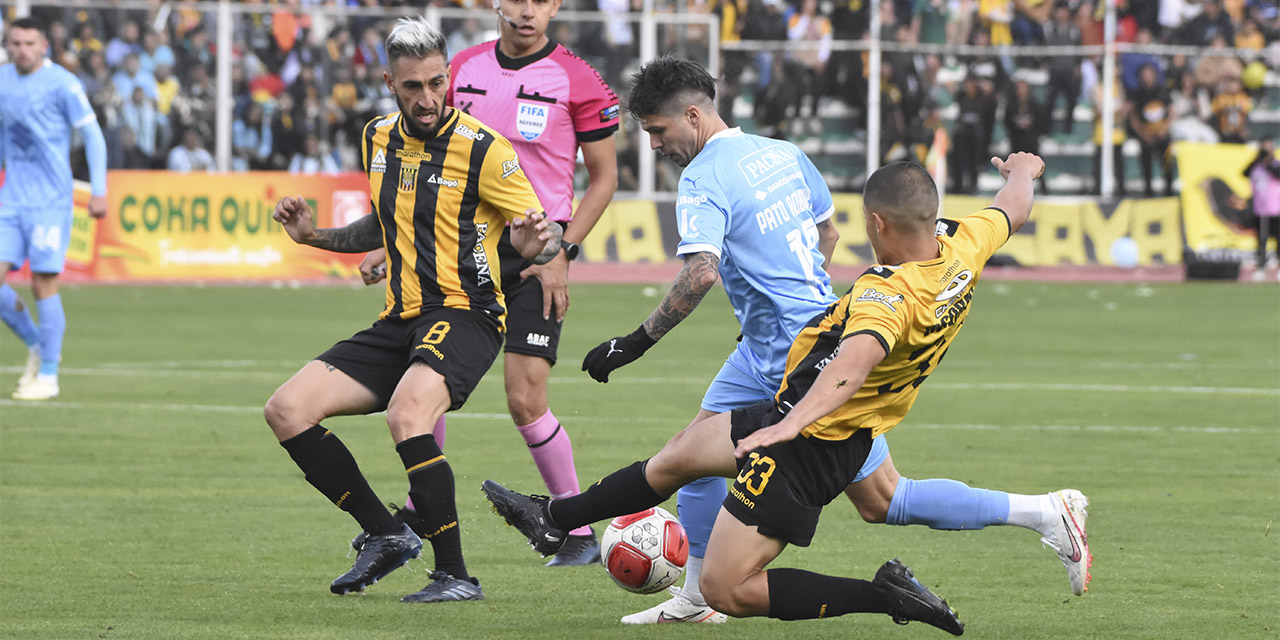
84 229
1061 232
1215 194
218 227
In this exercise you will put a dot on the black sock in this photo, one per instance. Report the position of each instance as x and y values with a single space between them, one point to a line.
432 489
795 594
619 493
329 467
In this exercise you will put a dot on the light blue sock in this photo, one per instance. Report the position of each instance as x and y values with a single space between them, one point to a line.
17 319
946 504
53 325
698 503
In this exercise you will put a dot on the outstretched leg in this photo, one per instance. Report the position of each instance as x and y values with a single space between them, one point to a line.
881 495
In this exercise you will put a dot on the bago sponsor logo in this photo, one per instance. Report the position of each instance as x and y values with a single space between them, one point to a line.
510 166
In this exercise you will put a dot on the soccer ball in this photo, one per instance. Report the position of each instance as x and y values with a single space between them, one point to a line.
645 552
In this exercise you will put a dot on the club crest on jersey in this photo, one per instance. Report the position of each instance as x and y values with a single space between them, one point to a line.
531 119
871 295
379 162
408 177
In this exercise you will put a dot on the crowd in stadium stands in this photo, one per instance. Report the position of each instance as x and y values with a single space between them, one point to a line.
304 82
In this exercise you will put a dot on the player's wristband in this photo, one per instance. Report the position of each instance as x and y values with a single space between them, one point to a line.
640 340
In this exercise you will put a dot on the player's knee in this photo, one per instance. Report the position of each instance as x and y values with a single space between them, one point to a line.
283 414
874 510
722 595
524 407
408 419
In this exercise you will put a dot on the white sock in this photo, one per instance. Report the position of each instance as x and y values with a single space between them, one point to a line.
50 378
693 569
1033 512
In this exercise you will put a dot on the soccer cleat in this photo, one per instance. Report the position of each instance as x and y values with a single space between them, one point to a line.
911 601
33 367
1069 538
403 515
577 551
37 389
446 588
677 609
526 514
378 555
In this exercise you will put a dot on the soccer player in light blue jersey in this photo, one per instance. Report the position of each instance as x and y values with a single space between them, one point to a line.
40 104
755 214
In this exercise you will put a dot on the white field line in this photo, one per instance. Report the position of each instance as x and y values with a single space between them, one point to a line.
502 417
278 374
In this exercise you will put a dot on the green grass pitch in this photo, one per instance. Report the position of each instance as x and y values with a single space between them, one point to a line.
151 500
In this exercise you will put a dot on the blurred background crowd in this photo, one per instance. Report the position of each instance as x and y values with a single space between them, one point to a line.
305 80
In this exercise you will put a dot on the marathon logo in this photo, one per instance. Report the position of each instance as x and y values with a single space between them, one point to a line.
742 498
379 163
420 156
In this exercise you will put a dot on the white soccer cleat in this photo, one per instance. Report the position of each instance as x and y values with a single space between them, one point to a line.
33 367
1069 538
677 609
37 389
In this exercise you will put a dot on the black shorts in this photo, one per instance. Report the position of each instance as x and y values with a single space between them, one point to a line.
459 344
527 332
781 489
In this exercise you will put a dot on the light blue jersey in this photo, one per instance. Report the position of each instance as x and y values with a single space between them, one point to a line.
755 202
38 112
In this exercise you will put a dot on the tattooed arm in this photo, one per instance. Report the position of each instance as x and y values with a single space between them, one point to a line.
699 274
295 214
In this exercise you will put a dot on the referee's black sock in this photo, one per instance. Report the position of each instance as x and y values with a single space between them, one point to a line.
795 594
619 493
432 489
329 467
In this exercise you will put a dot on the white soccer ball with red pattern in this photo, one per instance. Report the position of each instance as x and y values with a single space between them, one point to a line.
645 552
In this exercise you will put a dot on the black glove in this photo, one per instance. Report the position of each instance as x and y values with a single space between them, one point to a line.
615 353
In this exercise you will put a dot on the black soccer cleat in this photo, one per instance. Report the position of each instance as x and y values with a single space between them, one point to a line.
526 514
446 588
911 601
377 556
578 551
403 515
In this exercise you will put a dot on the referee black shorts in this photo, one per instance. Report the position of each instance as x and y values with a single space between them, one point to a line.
781 489
460 344
527 332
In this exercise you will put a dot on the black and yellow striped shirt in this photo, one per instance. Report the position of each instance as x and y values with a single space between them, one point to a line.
442 204
914 310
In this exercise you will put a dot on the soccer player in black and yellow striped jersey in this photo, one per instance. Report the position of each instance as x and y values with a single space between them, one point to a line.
443 186
851 374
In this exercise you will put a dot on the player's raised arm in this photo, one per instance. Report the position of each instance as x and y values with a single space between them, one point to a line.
365 234
1020 171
